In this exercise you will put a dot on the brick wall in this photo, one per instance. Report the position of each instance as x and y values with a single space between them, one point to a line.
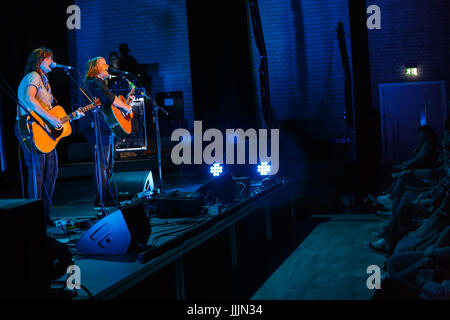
155 31
306 74
412 32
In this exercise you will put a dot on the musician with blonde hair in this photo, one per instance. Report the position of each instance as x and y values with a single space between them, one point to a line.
96 73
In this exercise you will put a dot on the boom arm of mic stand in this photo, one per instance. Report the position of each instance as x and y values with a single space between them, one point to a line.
89 97
156 107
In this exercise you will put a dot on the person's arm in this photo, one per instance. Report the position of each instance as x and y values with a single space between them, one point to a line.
419 158
30 101
439 191
120 104
106 96
433 290
441 255
432 222
444 238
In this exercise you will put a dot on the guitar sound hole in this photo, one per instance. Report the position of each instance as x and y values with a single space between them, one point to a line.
56 132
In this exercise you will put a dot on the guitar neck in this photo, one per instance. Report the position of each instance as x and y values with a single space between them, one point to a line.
128 97
133 88
72 115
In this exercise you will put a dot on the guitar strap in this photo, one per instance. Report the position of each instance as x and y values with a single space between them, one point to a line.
49 90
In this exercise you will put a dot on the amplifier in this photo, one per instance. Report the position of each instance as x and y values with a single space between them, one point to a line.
25 261
180 205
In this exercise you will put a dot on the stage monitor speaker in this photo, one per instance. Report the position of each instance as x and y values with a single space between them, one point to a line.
23 243
123 231
222 188
130 183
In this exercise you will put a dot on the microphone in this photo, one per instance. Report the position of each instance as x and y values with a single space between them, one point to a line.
62 66
117 71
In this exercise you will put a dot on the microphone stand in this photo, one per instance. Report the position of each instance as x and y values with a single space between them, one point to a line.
97 152
156 107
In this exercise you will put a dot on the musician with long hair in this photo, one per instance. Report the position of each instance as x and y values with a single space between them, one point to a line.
35 95
96 73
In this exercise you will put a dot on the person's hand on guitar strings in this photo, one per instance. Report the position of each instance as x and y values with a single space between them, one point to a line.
79 115
129 111
54 122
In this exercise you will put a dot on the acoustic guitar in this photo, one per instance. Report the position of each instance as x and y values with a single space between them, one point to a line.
118 121
44 138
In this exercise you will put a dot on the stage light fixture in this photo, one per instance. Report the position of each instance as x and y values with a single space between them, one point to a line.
264 168
216 169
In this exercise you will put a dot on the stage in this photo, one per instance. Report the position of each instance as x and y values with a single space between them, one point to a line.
166 269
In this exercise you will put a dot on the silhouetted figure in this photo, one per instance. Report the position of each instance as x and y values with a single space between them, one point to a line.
114 60
116 81
127 62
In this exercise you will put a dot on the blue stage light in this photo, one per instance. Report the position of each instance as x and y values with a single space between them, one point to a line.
216 169
264 168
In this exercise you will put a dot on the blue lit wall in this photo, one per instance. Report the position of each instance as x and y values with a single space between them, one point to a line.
306 74
155 31
414 32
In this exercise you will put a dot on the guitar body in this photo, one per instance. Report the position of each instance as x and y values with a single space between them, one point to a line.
119 123
42 141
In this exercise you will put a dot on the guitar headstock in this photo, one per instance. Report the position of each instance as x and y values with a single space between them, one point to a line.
132 87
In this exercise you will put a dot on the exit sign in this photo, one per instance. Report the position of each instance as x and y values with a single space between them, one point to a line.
412 72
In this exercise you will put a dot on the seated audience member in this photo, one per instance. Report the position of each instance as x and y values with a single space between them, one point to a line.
404 265
422 170
416 196
407 212
421 269
428 271
426 234
424 154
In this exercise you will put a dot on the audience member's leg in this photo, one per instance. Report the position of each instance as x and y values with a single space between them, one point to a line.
402 261
394 234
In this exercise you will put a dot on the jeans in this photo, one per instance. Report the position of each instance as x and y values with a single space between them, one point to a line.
404 266
405 219
46 174
407 244
406 181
